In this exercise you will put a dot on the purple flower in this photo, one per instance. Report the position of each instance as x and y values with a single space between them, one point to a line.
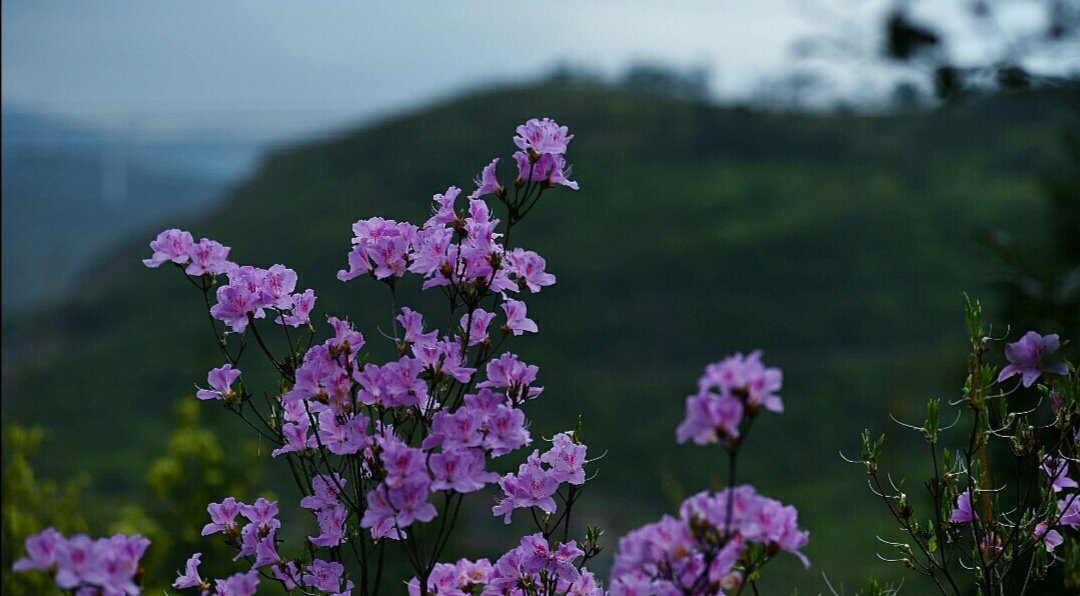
443 580
299 307
288 574
413 324
1069 508
324 491
249 541
170 245
746 378
542 136
117 562
388 255
566 458
460 470
401 462
473 572
453 430
276 288
220 381
222 516
266 552
262 513
537 555
208 256
585 585
234 303
296 437
507 573
380 517
505 431
190 577
445 357
324 575
532 486
359 264
346 339
410 501
1056 470
516 376
331 522
1051 539
516 322
548 169
1026 358
42 549
240 584
486 182
529 269
963 512
402 383
476 324
673 550
444 212
380 247
343 437
431 256
76 558
710 418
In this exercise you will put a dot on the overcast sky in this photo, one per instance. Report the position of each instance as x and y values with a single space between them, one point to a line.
309 64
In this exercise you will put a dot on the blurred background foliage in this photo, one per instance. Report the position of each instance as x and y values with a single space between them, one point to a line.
170 508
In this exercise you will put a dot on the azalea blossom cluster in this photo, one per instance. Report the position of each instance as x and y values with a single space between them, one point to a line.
106 566
719 539
1006 537
730 394
534 484
383 450
697 551
251 291
535 566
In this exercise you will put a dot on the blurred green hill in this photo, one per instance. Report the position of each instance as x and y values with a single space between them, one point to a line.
839 243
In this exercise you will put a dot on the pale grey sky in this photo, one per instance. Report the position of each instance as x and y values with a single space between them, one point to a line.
310 64
325 58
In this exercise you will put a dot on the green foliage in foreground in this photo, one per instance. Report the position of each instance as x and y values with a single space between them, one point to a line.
30 505
838 243
192 471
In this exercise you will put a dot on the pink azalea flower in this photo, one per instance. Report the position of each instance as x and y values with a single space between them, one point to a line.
516 322
1026 358
486 182
208 257
171 245
220 380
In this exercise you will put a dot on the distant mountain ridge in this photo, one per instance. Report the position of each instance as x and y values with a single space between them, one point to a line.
69 191
838 243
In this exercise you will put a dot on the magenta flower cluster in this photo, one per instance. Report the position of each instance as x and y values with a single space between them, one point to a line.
730 393
542 144
534 484
106 566
252 291
206 257
377 442
535 566
697 551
